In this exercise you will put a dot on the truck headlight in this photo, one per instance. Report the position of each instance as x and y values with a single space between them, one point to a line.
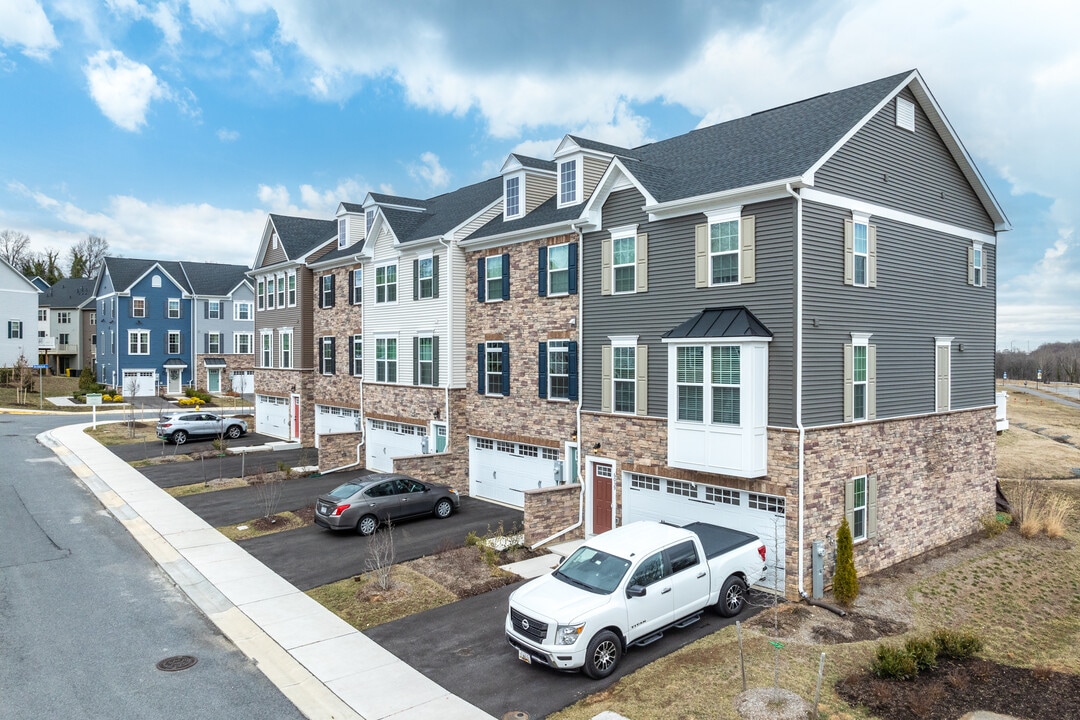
568 634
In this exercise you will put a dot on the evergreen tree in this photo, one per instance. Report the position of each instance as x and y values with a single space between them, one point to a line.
845 583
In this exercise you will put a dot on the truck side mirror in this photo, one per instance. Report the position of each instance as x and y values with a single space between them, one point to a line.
635 591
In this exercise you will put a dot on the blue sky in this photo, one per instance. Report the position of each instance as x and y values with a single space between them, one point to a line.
172 128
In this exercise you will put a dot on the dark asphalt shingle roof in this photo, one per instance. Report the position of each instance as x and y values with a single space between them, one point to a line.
300 235
443 213
213 278
730 322
547 213
67 293
384 199
352 207
126 271
535 163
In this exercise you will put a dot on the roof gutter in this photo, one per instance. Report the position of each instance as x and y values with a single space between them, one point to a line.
799 374
445 242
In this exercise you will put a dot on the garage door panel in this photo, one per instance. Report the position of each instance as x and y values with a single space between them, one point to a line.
272 416
387 440
330 420
503 471
681 503
138 383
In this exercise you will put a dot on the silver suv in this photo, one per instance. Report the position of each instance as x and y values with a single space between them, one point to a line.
179 426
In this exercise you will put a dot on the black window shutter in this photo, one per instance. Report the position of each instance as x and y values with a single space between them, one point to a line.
541 277
206 309
415 356
332 297
206 342
351 286
322 355
571 359
333 343
480 280
435 276
541 363
480 369
506 368
572 252
435 359
415 279
506 276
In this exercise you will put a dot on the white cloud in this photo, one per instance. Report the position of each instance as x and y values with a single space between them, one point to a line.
122 88
315 203
23 22
430 171
226 135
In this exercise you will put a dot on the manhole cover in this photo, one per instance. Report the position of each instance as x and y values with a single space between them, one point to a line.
177 662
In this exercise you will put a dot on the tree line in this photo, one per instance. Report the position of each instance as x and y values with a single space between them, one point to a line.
1059 362
82 260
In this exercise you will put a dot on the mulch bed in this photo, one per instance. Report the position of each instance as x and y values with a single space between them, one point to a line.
957 687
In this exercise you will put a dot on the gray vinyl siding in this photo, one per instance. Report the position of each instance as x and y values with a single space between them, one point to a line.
538 189
921 292
272 256
593 170
672 297
909 171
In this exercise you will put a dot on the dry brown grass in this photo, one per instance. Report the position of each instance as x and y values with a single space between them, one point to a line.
262 526
122 433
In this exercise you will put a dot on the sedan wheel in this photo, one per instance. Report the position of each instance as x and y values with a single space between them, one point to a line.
179 437
367 525
444 508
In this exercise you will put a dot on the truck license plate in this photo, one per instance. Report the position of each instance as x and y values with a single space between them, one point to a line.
524 657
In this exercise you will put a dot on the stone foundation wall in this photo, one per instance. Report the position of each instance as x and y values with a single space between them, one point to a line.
551 510
339 449
446 468
281 383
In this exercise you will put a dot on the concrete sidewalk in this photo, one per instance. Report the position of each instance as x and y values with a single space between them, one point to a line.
327 668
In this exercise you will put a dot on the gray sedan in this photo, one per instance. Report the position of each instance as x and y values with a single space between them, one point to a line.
365 503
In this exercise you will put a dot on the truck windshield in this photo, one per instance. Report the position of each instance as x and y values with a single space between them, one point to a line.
593 570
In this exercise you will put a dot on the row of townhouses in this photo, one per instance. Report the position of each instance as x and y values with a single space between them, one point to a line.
771 323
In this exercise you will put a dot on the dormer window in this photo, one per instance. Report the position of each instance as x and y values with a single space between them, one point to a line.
342 233
512 187
569 187
369 218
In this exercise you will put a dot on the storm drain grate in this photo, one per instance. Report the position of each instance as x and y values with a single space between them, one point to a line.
177 663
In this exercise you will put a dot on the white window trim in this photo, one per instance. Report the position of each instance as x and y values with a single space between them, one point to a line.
210 337
494 347
281 349
623 233
290 288
396 360
624 341
137 333
547 273
133 300
490 297
943 341
420 337
343 232
978 264
420 278
578 171
353 341
723 215
237 306
396 283
212 313
266 350
865 508
236 343
169 340
862 340
520 177
358 274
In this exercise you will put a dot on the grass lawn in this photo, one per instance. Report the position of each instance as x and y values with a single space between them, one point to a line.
52 386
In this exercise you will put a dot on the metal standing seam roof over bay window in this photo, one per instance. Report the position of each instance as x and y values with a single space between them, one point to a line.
732 322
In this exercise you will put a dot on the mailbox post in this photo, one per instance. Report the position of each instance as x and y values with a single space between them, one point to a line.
93 400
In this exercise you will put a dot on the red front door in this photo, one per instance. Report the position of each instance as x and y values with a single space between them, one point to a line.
296 416
602 498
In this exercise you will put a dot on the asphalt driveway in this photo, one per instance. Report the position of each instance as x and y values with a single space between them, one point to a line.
462 646
228 466
312 556
236 505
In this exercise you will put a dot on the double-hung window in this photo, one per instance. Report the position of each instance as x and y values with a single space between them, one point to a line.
63 317
386 284
369 218
558 369
722 390
513 197
425 278
174 308
386 360
327 355
271 291
266 340
357 286
861 250
242 343
975 265
138 342
860 506
326 291
726 384
494 368
568 183
174 342
357 354
425 357
242 311
624 378
281 291
724 252
14 329
213 309
860 371
291 279
858 509
138 307
286 349
493 278
624 264
342 233
213 343
260 294
558 269
690 380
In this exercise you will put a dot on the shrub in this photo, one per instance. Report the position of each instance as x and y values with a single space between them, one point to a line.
845 582
993 524
894 663
956 644
924 651
86 381
116 398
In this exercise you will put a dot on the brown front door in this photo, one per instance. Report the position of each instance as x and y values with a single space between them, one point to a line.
602 498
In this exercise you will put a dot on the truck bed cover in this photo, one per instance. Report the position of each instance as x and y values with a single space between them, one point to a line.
717 540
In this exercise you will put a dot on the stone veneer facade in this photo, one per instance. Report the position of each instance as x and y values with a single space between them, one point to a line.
553 510
936 475
233 362
283 383
342 389
340 449
524 321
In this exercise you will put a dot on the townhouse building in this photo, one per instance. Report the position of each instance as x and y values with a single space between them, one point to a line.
67 314
19 300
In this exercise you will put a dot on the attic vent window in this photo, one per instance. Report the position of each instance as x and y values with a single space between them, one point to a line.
905 114
342 233
155 281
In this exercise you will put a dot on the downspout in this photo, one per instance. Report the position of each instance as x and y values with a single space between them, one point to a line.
193 345
574 227
799 376
449 338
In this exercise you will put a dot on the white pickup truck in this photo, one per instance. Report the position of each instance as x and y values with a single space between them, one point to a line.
626 587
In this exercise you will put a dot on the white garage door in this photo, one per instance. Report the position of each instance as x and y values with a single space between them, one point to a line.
503 471
388 440
329 419
646 497
272 416
243 381
138 383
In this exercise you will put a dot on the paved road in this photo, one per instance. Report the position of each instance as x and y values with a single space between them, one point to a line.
462 647
85 614
312 556
1032 390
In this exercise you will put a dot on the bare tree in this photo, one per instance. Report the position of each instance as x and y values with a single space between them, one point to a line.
268 492
87 255
14 246
380 561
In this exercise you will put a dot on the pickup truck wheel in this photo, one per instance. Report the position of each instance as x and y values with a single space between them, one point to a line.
603 655
367 525
233 432
732 597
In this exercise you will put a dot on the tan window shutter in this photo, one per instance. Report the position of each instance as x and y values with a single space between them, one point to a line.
747 237
605 378
605 266
849 384
971 266
643 262
701 256
871 506
849 503
942 378
871 382
871 252
849 252
641 366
